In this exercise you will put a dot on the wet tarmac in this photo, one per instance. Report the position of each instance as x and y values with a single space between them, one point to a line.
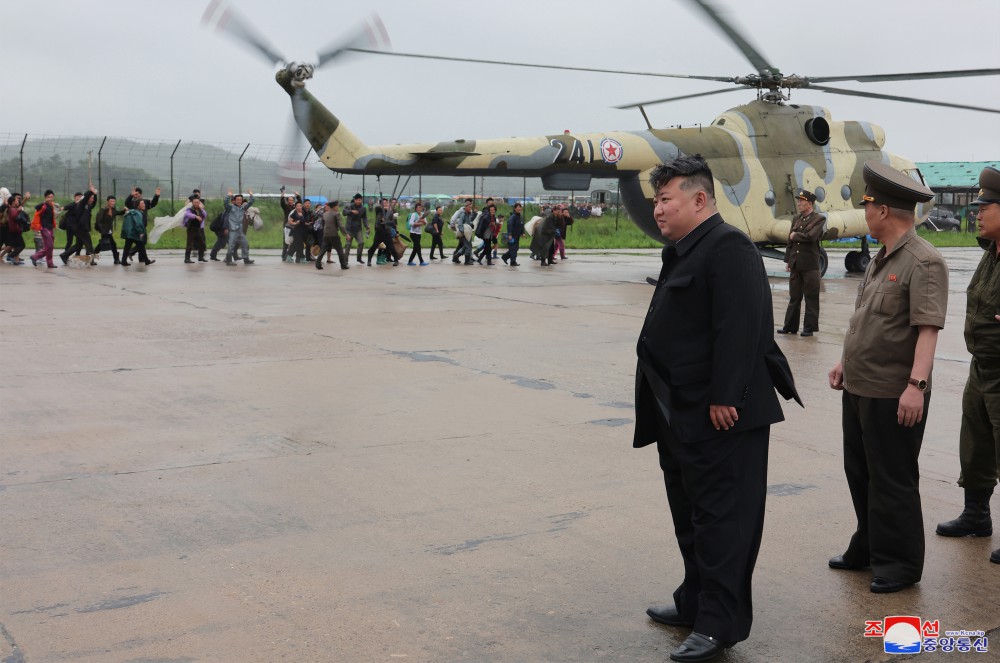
265 463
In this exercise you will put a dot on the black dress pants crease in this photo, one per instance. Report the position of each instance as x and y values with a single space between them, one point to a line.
716 490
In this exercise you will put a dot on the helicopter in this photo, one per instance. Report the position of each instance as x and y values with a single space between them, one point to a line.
760 152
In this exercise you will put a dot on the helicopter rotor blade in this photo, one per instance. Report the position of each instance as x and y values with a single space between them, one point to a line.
759 62
291 167
892 97
223 17
369 35
683 96
874 78
445 58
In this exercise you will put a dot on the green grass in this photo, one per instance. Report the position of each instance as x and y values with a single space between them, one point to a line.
589 233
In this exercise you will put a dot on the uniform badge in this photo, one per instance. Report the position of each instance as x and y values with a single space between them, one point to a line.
892 277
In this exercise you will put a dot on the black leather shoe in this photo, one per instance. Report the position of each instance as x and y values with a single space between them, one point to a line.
995 556
698 647
841 564
886 586
667 614
787 331
806 332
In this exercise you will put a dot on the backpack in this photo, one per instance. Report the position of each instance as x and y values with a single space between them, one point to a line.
23 223
216 225
36 220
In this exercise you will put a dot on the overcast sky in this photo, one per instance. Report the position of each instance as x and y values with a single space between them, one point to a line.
151 70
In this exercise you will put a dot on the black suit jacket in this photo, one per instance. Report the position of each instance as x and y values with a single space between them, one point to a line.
708 339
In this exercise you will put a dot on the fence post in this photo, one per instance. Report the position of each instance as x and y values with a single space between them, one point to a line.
304 171
22 187
172 196
239 181
100 186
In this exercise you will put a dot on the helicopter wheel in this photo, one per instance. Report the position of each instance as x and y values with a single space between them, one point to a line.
863 260
824 262
851 261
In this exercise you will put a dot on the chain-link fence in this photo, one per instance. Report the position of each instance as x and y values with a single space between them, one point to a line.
67 164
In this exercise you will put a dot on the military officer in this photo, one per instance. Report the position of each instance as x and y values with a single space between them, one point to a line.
979 439
885 374
803 264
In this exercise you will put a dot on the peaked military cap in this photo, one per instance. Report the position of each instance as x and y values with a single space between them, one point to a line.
884 185
989 186
803 194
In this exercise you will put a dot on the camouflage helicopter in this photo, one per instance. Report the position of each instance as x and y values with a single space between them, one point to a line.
760 152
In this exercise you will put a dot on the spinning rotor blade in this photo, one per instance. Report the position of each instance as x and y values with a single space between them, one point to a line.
291 168
224 18
724 79
684 96
369 35
759 62
892 97
874 78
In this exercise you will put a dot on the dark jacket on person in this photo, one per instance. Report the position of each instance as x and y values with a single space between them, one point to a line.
484 229
48 218
708 339
802 255
356 216
333 224
541 238
133 203
78 214
133 227
515 226
105 222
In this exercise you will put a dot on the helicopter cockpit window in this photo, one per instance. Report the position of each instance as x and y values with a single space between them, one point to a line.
845 192
769 198
720 122
820 194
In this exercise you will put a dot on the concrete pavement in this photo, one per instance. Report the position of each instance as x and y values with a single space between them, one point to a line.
202 463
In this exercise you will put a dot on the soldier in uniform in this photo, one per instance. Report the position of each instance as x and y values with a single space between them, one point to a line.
885 374
979 439
802 258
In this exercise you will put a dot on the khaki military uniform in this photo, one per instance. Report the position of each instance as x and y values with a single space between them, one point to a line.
902 290
979 440
803 258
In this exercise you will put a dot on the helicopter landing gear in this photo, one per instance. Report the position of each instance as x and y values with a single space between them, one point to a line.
857 261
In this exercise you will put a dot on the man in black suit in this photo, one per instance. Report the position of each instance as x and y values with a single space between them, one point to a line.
707 371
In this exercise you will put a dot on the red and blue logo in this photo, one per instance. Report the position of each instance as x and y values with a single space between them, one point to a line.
611 150
906 634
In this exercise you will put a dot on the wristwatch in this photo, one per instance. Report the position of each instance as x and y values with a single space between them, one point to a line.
919 384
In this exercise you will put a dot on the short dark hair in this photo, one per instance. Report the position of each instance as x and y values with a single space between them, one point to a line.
49 192
111 198
694 169
138 190
78 193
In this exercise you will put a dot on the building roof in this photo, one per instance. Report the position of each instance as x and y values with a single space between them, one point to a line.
956 174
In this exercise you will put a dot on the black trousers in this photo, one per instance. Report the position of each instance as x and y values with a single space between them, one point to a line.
803 284
70 239
16 242
880 460
437 243
132 247
382 236
332 243
511 252
221 242
108 241
716 491
298 243
415 239
83 241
